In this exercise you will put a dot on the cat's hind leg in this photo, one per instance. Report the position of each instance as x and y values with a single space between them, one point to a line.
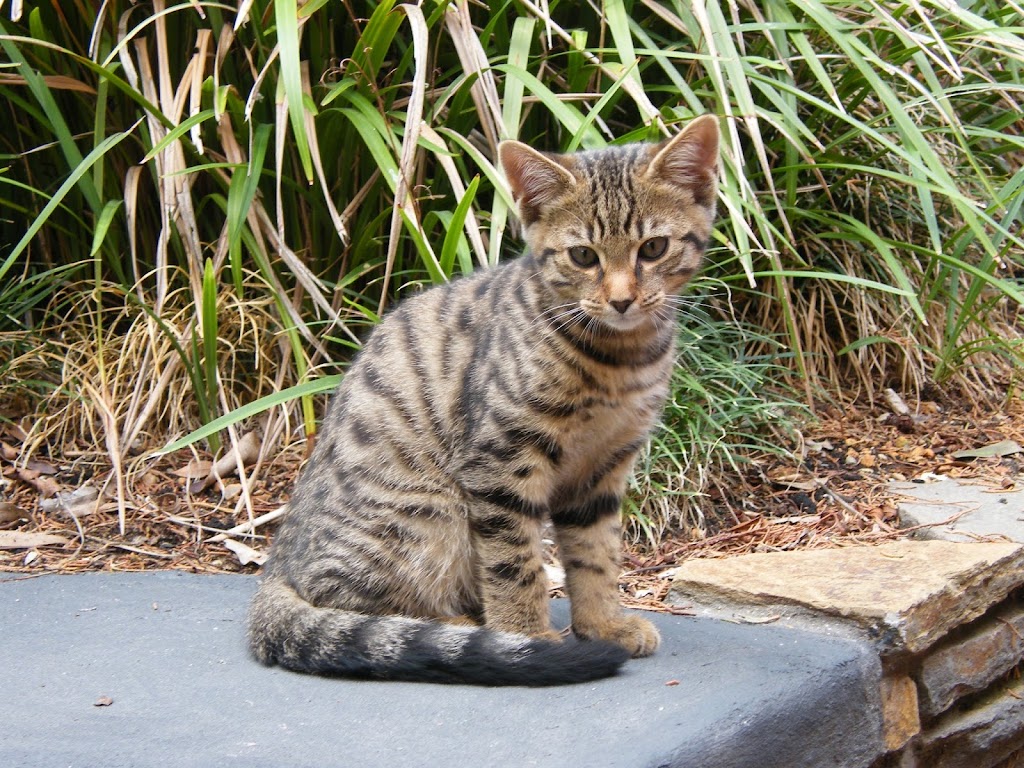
513 583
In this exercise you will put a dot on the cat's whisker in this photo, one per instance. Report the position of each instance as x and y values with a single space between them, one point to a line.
529 277
559 308
664 316
566 317
554 321
679 301
592 328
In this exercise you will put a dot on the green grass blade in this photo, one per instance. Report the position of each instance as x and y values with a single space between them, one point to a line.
241 193
518 56
55 118
455 239
209 330
372 48
256 407
565 113
286 16
103 224
177 132
80 170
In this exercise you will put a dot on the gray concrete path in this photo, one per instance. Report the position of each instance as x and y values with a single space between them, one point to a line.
168 650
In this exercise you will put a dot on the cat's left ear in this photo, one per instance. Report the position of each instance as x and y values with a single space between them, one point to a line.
536 179
690 159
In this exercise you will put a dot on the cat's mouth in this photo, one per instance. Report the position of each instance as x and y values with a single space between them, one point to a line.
633 318
619 316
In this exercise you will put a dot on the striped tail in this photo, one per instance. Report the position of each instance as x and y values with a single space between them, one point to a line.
286 630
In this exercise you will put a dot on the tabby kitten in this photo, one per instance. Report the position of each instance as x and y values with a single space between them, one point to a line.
412 546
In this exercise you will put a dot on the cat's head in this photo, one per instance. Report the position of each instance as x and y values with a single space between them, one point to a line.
618 231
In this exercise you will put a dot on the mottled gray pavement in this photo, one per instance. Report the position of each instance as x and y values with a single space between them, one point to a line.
168 650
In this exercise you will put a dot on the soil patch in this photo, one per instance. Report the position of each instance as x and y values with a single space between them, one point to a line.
834 492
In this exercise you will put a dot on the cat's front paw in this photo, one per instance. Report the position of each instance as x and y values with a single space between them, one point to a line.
637 635
550 635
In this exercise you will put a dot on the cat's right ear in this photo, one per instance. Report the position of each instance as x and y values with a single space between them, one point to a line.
536 179
690 159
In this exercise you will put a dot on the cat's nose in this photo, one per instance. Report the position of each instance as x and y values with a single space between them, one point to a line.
621 305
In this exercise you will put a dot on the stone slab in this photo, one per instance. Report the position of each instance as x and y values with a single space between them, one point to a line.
900 711
168 650
906 594
979 738
968 663
974 511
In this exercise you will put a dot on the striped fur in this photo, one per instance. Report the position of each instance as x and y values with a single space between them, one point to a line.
478 410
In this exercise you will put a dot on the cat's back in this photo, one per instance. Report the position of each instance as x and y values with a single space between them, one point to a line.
426 351
395 427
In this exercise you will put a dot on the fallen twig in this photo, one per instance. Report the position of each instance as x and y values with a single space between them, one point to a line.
249 526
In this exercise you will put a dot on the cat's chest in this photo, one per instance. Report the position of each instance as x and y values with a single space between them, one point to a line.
623 413
606 425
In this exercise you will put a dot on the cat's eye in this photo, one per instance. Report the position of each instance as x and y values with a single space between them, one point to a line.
583 256
653 249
